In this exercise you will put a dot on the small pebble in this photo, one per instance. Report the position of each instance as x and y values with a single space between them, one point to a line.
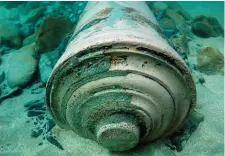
34 113
35 105
36 91
41 117
80 4
30 102
36 134
201 80
40 144
2 76
79 12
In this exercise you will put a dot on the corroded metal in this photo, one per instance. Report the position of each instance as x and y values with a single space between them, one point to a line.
119 82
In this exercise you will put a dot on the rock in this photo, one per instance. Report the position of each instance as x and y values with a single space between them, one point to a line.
201 79
180 44
32 113
10 4
30 39
168 26
7 92
5 13
31 5
198 78
22 66
159 6
27 104
45 68
10 34
33 15
36 134
9 14
35 106
205 27
41 117
176 17
178 9
202 29
26 30
51 32
4 50
167 23
158 9
2 76
210 61
14 14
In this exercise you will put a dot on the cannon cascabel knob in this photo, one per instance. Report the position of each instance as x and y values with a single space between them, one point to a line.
119 82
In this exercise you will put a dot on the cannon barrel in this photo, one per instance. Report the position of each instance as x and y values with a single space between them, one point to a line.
119 82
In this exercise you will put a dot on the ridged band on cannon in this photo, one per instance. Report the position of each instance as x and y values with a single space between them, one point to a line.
115 84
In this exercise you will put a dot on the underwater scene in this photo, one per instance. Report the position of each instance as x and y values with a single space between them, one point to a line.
111 78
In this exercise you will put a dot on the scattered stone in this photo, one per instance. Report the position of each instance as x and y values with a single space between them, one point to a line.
205 27
8 92
198 78
29 40
40 144
178 9
10 34
31 5
167 23
41 117
10 4
33 15
26 30
37 88
4 49
36 134
36 105
36 91
5 13
32 113
158 9
2 76
180 44
51 32
9 14
201 80
168 26
22 66
210 61
159 6
175 16
27 104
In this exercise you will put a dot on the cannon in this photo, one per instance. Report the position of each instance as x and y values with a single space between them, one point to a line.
119 82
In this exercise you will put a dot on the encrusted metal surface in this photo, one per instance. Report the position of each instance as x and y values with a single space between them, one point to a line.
119 64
